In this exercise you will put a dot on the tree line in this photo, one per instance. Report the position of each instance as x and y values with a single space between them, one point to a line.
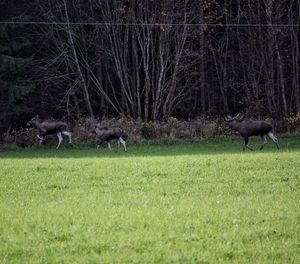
148 60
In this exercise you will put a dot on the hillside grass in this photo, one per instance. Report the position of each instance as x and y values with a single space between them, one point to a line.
160 202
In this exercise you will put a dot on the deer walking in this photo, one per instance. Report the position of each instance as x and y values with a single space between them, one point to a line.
50 128
105 134
248 128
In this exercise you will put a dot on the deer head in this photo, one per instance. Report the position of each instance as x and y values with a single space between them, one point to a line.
234 122
33 121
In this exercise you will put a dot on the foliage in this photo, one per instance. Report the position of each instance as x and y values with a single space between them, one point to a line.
14 65
294 121
148 130
137 130
169 68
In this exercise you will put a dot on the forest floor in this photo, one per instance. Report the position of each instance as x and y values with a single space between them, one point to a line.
160 202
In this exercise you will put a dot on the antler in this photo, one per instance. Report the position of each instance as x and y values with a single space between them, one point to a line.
239 117
228 118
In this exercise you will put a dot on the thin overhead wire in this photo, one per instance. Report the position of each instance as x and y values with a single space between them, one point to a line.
147 24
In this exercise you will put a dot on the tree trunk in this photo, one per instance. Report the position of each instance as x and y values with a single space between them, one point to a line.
202 74
87 96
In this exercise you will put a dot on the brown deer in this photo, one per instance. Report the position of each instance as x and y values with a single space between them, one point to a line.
248 128
105 134
49 128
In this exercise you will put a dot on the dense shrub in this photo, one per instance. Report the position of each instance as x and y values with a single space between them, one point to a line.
21 137
293 121
172 128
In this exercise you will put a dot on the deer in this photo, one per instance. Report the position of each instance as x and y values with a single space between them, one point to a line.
105 134
49 128
248 128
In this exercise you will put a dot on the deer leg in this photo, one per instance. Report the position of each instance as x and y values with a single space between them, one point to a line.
41 138
246 144
60 139
118 141
109 146
264 141
248 147
66 133
123 143
100 143
275 140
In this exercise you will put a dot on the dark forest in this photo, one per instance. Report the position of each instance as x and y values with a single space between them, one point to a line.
148 60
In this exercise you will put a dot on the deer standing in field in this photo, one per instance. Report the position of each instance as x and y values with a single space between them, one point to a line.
49 128
105 134
248 128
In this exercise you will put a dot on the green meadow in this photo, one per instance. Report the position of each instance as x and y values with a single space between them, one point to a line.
160 202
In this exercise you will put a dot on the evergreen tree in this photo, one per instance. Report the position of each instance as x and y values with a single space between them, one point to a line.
15 61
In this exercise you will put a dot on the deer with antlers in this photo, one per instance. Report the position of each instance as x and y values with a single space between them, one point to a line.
248 128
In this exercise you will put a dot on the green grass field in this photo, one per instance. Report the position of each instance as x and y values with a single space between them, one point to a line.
162 202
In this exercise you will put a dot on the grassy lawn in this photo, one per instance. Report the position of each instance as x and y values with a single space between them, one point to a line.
163 202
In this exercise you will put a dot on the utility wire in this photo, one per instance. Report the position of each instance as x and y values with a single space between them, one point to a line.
145 24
